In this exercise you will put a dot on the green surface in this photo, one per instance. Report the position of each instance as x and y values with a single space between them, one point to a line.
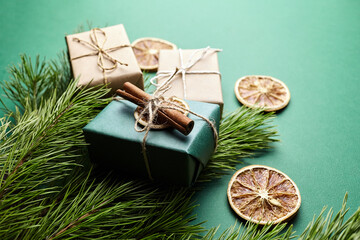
313 46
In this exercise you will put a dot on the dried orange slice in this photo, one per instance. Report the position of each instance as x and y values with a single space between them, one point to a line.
144 121
263 195
147 50
262 91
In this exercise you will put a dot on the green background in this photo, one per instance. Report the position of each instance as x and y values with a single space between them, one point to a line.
313 46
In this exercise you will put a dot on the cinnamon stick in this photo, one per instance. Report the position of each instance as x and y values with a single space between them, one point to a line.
176 119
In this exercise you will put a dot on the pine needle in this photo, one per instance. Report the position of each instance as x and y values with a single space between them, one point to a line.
47 190
242 133
31 82
334 228
319 228
251 231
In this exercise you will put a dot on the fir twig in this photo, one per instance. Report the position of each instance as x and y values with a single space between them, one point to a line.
51 196
334 228
242 133
36 205
38 154
319 228
252 231
31 82
45 198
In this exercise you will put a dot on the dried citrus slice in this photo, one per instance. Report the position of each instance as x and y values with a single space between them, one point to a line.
146 51
262 195
262 91
144 121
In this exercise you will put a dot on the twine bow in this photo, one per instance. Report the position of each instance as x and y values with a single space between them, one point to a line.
186 68
100 51
156 103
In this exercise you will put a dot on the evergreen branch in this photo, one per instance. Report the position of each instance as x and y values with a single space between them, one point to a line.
37 154
28 154
252 231
334 229
51 196
319 228
104 210
37 205
31 82
79 210
242 133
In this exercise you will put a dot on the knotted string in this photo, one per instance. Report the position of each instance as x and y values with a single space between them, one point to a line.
186 68
151 108
100 51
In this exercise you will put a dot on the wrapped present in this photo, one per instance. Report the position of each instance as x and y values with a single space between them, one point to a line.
171 157
103 56
198 77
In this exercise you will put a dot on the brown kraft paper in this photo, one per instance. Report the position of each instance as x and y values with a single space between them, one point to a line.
86 68
199 87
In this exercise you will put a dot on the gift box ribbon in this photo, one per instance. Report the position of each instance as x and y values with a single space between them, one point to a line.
100 51
186 68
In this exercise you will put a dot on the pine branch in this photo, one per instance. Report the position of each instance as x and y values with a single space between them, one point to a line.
334 229
90 210
37 154
85 207
45 146
48 194
31 82
252 231
67 211
242 133
319 228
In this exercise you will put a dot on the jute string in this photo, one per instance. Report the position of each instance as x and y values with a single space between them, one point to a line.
186 68
151 108
100 51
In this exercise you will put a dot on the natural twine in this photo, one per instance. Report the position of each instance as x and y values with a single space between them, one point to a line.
186 68
151 109
100 51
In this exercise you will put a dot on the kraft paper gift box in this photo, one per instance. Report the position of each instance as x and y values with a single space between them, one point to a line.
173 158
204 87
85 58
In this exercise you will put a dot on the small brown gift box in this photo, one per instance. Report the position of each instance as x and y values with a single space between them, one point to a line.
202 79
103 56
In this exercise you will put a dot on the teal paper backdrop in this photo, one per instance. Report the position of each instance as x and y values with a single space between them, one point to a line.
313 46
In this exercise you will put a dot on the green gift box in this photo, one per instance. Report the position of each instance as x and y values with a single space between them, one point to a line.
173 158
